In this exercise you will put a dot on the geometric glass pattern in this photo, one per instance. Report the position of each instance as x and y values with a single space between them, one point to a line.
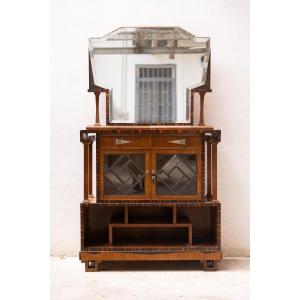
124 174
176 174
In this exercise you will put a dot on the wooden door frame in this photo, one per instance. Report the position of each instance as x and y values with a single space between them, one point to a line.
176 151
147 194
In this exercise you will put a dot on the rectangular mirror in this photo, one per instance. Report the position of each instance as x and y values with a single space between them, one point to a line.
149 73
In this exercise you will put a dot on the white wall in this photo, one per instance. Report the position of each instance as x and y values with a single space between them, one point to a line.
226 22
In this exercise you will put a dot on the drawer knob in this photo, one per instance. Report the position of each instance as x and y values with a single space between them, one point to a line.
179 142
121 142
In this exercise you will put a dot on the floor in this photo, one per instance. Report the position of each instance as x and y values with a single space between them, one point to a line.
148 280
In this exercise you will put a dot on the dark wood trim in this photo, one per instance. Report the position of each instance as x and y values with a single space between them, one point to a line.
214 172
126 214
174 214
192 108
90 169
202 94
219 226
82 227
130 130
97 118
154 203
107 113
208 170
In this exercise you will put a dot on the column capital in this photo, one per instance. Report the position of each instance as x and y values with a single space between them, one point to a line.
85 138
214 137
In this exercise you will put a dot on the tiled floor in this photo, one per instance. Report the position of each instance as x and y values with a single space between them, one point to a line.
148 280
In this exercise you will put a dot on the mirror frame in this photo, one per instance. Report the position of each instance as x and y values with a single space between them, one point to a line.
97 90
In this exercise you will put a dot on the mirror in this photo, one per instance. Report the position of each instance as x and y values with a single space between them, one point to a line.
149 72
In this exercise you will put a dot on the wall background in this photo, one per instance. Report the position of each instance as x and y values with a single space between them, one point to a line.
226 22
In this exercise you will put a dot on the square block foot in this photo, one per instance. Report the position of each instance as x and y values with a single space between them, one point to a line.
210 265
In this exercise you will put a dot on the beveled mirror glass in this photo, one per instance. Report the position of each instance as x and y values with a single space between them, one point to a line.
149 72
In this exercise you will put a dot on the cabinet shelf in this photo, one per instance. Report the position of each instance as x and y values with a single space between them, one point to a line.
150 245
149 220
151 233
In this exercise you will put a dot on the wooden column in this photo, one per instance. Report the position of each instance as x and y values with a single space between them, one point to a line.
86 172
215 139
90 158
201 108
214 172
192 108
208 168
87 163
97 119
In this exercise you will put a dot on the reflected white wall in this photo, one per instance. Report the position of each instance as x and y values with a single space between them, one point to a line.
109 74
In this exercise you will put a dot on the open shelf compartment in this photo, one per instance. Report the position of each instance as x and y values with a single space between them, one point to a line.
149 227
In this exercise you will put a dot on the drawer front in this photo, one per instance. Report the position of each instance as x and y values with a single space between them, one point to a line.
176 142
124 142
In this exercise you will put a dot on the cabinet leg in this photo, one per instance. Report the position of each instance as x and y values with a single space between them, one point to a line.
93 266
210 265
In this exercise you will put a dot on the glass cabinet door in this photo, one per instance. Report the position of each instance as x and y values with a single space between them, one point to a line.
124 174
175 174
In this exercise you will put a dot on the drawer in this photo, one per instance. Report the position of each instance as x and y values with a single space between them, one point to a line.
176 142
124 142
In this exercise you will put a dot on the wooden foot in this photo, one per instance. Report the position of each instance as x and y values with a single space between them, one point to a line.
210 265
93 266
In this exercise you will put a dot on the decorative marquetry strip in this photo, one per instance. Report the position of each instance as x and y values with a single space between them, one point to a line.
179 142
122 142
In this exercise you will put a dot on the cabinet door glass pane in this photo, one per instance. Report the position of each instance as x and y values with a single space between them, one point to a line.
124 174
176 174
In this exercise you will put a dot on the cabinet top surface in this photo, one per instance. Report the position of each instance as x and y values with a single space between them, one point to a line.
150 128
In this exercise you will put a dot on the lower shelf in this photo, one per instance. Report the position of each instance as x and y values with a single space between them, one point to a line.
150 233
93 259
134 233
149 246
